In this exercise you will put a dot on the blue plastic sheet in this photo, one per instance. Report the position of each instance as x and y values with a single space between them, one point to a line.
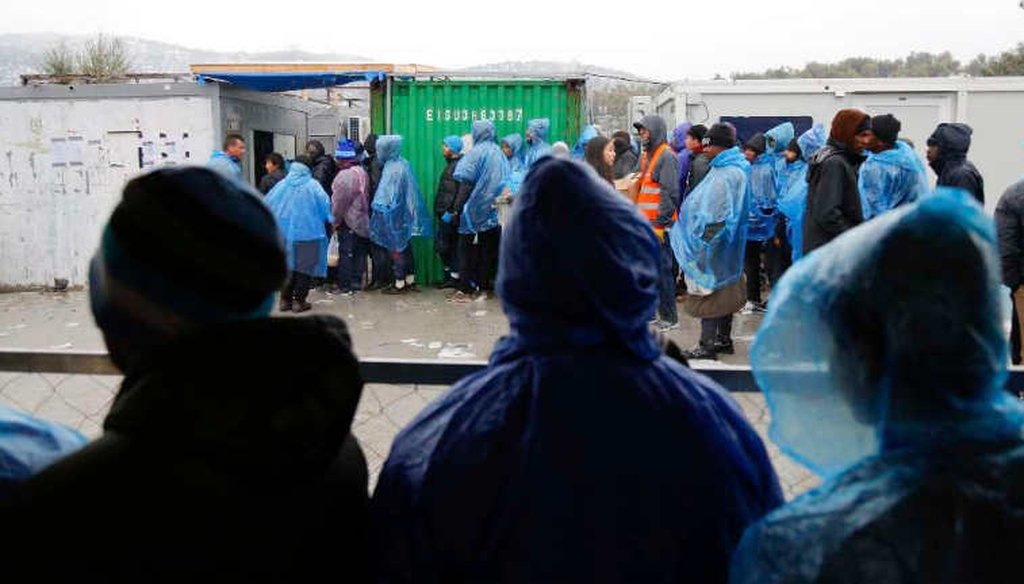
302 209
486 168
580 454
891 178
399 212
538 146
885 375
709 240
516 164
792 202
27 445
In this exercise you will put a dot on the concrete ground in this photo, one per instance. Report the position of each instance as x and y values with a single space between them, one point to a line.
421 326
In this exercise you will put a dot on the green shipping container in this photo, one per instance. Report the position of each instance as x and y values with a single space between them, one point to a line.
425 111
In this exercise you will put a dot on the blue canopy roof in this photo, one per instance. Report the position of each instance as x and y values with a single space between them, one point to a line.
290 81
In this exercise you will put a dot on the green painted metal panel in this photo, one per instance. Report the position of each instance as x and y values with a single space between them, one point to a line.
424 112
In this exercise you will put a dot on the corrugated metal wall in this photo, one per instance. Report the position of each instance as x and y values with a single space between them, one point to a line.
424 112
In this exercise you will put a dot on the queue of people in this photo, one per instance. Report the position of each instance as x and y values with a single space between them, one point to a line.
587 450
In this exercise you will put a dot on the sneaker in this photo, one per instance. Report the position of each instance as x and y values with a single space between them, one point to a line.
724 348
480 296
460 297
752 307
665 326
286 306
700 352
302 306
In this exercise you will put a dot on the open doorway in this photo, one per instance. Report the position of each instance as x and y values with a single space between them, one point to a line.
262 145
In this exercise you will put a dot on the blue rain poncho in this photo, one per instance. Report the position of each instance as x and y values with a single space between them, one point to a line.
792 201
399 212
580 454
516 164
303 212
761 223
891 178
28 445
709 240
486 168
588 134
538 146
872 356
776 140
225 165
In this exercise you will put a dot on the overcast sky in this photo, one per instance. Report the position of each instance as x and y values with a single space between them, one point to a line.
675 40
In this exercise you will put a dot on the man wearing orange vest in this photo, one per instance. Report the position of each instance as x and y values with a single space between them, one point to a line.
658 201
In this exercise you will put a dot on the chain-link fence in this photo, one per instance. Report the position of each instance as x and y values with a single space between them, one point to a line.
82 401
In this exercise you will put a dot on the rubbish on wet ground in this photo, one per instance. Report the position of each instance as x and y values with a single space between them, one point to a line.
479 313
17 327
73 325
323 301
409 341
367 325
436 345
61 347
456 351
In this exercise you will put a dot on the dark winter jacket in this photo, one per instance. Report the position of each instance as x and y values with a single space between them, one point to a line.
226 457
625 159
699 167
833 201
374 167
447 189
1010 226
269 180
952 166
666 171
324 171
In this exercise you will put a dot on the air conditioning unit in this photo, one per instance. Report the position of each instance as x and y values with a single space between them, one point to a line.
357 128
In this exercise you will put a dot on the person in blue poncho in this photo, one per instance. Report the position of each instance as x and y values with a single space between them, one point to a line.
885 376
777 253
709 242
537 141
482 174
512 148
892 175
581 454
761 224
303 212
28 445
399 213
793 186
580 149
228 162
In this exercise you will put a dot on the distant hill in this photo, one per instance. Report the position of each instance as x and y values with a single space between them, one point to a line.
23 53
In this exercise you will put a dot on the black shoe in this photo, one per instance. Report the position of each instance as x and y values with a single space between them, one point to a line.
375 286
286 306
412 288
395 291
701 352
448 284
724 348
302 306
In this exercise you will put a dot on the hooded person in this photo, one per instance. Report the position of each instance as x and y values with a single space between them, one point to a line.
678 145
761 224
709 243
1009 218
482 174
303 213
588 134
626 160
28 445
226 454
833 201
323 169
885 376
399 213
350 206
777 253
382 270
793 187
537 145
506 478
446 238
512 148
892 175
947 155
658 201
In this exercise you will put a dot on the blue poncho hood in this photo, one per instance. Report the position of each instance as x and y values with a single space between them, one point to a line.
399 212
487 169
869 346
555 274
891 178
538 129
709 240
588 134
779 137
792 201
516 165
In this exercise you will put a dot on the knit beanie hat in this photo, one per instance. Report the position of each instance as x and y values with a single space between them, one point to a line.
886 128
346 150
722 135
183 248
757 143
847 124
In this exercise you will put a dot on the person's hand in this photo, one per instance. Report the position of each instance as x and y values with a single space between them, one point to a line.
777 242
446 218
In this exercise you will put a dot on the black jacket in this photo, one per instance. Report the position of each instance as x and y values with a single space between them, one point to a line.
952 167
447 189
269 180
227 457
699 167
625 162
833 201
1010 226
324 171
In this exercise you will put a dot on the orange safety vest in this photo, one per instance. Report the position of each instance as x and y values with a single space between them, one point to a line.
649 198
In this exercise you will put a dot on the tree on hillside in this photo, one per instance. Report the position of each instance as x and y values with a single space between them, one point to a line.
1004 64
914 65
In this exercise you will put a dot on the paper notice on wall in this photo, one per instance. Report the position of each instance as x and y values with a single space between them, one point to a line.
169 153
149 154
59 152
75 150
